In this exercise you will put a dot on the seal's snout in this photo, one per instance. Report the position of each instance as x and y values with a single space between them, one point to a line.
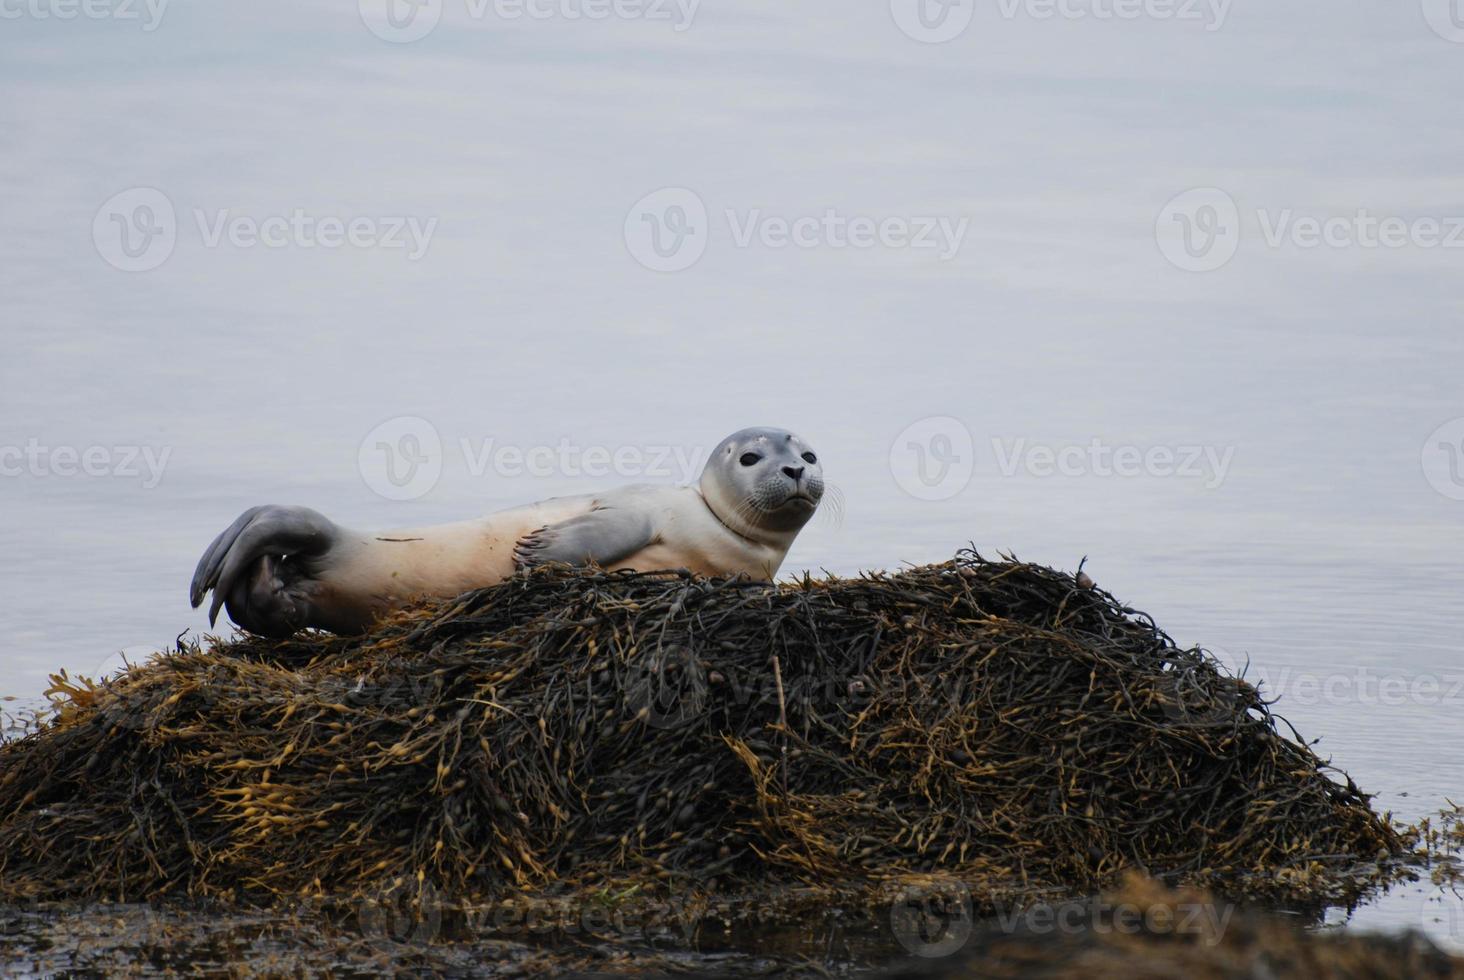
804 494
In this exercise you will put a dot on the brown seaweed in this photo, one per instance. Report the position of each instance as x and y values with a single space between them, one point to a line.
996 723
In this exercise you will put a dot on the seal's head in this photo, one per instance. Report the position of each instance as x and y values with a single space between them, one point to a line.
764 484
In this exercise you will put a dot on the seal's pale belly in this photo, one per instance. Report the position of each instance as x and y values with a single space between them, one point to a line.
385 569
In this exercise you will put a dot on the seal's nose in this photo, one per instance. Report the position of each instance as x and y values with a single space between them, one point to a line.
796 472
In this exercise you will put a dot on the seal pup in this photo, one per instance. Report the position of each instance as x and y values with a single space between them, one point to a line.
281 569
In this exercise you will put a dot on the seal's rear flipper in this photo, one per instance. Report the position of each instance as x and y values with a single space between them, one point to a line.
261 565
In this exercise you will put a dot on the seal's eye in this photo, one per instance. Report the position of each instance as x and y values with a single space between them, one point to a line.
810 458
749 458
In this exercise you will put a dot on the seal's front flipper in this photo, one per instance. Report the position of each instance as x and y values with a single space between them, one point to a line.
262 566
604 536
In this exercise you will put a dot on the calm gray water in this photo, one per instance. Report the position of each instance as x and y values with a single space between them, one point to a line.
1180 293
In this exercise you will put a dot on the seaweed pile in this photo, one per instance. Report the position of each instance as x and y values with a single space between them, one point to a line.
993 722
